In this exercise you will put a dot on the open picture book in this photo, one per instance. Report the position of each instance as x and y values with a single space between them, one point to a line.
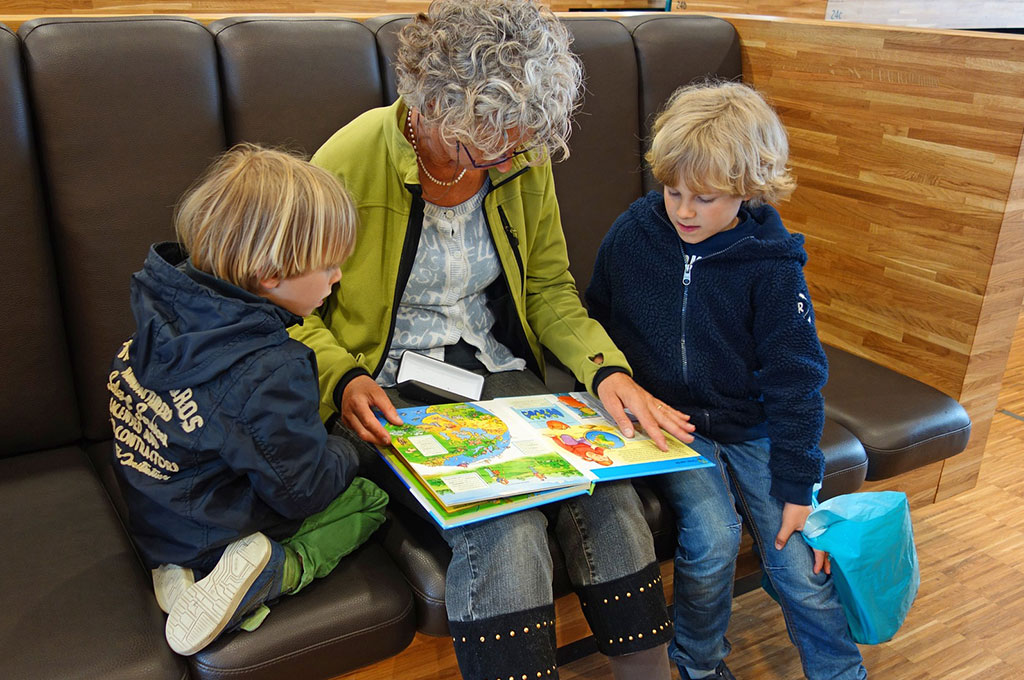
468 461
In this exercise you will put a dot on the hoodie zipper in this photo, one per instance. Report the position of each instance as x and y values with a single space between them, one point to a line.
689 261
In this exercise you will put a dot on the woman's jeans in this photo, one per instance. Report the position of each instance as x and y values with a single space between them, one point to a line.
499 583
705 503
504 565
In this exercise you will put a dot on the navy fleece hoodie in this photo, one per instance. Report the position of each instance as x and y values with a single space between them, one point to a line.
725 333
214 411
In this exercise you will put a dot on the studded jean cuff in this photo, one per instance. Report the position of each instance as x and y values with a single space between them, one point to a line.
628 614
520 645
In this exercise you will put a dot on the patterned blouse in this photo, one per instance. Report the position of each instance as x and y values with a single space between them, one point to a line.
444 300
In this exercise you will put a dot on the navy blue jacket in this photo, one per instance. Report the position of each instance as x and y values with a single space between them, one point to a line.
214 411
749 363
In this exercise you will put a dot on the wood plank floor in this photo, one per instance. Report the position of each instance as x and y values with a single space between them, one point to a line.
968 620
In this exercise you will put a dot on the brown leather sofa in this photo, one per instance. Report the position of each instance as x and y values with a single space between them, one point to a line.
103 124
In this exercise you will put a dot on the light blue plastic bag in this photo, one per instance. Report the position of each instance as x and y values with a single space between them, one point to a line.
874 562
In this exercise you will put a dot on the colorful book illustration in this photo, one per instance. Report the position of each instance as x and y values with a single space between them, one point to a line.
447 518
514 452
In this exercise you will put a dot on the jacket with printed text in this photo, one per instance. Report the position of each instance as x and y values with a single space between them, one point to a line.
214 411
728 338
535 301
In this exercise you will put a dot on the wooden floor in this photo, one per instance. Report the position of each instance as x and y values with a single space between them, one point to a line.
966 624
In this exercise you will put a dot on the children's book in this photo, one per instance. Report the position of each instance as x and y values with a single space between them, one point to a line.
472 512
517 452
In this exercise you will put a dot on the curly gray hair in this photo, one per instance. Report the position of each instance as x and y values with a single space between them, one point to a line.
479 69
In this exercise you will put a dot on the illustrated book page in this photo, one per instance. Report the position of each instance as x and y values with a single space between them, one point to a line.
475 451
578 424
447 518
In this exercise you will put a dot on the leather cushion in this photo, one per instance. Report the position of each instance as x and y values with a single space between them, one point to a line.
674 50
846 462
602 176
361 613
902 423
339 623
77 603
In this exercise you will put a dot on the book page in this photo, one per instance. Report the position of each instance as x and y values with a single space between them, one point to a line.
468 452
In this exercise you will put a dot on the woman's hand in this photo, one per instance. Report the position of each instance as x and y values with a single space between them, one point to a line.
360 397
619 391
793 518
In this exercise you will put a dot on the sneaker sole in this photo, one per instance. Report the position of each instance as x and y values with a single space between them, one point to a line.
169 582
204 610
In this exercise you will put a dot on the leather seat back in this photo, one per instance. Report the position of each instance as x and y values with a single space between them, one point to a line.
293 82
118 146
37 402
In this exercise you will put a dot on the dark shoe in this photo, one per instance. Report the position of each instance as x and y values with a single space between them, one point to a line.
722 672
248 574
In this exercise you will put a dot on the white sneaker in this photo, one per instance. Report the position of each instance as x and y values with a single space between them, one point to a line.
247 574
170 581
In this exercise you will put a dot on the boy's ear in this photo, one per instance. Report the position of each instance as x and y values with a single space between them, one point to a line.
270 283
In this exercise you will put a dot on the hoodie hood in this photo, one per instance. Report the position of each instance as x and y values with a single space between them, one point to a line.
193 326
759 230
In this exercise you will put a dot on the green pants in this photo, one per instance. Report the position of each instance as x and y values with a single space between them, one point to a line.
341 527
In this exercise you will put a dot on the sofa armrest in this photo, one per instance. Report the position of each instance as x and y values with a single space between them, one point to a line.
902 423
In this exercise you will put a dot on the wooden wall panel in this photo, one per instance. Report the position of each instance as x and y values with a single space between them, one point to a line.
906 145
919 484
1011 394
800 9
15 12
993 338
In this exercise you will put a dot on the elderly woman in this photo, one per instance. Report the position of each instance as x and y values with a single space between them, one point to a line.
461 256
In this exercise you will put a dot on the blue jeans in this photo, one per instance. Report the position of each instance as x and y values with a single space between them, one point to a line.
705 503
503 565
499 595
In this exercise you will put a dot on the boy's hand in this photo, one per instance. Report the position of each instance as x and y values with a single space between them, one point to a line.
618 391
360 397
793 518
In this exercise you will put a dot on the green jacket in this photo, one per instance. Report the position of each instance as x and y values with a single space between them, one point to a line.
536 302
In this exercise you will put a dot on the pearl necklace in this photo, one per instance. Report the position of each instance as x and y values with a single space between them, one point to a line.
416 150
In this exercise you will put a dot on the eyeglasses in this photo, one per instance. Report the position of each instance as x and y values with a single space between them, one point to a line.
490 164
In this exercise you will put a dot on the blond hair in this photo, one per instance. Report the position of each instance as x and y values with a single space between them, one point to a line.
722 137
259 213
